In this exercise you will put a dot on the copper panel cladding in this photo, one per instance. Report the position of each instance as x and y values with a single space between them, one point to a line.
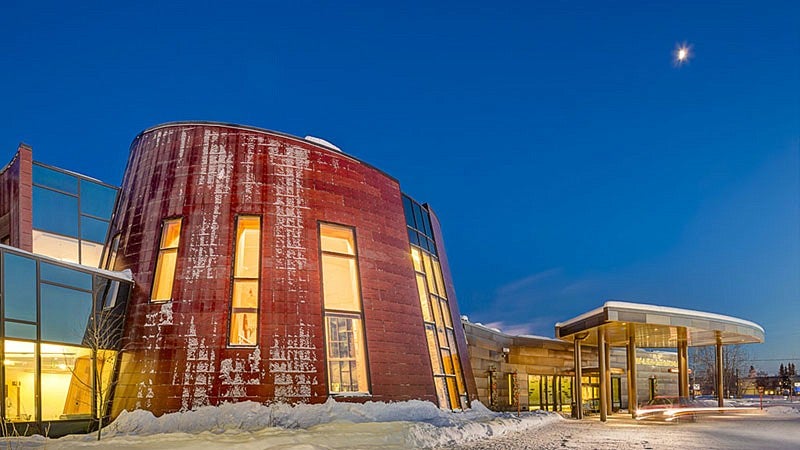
177 353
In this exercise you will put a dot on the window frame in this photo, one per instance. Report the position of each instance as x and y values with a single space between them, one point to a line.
157 259
78 195
356 320
37 408
441 324
420 225
257 279
356 315
111 251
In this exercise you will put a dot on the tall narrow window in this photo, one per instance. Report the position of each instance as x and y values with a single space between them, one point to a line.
244 298
439 330
347 365
167 257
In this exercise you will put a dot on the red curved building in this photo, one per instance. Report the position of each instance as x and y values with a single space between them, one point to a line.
274 268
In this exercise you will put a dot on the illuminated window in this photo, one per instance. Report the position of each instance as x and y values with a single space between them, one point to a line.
55 246
48 356
346 363
439 331
167 258
66 382
244 298
19 366
111 253
91 253
347 366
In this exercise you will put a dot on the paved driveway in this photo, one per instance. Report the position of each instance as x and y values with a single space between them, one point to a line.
623 433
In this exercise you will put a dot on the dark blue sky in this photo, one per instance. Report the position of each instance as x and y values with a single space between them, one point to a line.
569 160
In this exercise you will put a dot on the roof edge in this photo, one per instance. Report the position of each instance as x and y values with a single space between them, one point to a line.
261 130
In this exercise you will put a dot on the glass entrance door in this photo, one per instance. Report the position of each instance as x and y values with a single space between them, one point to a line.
590 388
616 396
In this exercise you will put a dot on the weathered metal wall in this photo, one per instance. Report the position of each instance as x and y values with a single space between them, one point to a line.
178 357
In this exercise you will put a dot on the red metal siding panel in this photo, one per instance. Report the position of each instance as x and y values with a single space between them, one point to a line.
178 356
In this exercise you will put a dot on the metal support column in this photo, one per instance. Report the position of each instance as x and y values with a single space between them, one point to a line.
720 372
578 392
601 354
631 354
607 368
683 363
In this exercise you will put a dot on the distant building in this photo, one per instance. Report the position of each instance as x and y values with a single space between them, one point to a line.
533 372
606 359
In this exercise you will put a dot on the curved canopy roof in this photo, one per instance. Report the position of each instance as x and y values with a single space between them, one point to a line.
658 326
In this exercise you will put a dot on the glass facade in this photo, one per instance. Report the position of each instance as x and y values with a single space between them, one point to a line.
550 393
436 315
61 329
418 220
71 214
344 329
245 292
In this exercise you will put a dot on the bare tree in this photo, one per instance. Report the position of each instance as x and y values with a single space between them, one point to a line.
103 337
735 361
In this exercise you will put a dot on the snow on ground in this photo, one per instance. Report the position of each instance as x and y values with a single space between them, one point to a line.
418 425
777 428
332 425
783 410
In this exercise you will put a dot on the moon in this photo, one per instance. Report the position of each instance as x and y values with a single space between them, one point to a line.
682 54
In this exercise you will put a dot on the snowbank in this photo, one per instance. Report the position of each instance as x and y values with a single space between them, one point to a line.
332 425
782 410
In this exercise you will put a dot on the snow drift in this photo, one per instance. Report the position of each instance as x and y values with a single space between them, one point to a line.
332 425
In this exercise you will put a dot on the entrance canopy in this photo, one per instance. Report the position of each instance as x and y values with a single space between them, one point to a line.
633 325
658 326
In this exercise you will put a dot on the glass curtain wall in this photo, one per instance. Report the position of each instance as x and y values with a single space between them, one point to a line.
590 388
71 214
53 322
344 321
437 318
550 393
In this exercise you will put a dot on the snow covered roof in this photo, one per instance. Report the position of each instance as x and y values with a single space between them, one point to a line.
657 326
465 319
323 142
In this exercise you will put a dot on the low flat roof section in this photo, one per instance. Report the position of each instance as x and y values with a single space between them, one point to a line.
657 326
